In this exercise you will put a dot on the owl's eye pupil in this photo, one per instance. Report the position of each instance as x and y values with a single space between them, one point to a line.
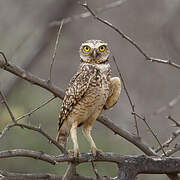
102 48
86 48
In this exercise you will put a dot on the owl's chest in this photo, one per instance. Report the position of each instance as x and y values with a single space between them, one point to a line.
100 87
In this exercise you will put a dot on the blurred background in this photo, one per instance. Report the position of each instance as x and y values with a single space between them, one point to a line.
27 37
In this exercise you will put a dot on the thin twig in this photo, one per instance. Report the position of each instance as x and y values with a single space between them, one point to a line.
87 14
149 127
3 55
34 110
136 45
169 141
177 124
98 177
7 106
5 130
37 129
170 105
175 149
70 171
55 50
128 95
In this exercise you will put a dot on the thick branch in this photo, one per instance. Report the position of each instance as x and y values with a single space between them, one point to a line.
28 153
33 176
142 164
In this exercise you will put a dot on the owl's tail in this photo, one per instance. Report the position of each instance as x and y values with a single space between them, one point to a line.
63 133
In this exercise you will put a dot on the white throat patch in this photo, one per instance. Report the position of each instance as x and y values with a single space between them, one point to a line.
103 67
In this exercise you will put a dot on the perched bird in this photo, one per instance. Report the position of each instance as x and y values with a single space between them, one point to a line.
89 92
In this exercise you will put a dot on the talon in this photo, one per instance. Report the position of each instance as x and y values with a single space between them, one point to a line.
96 151
76 153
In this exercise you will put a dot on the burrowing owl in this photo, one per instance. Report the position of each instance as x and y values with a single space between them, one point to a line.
89 92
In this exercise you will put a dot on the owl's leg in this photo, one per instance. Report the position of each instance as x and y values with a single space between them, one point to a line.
115 89
73 132
87 133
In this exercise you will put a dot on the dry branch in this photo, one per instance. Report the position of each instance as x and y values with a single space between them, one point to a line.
55 49
59 93
87 14
132 42
128 95
7 106
32 176
34 110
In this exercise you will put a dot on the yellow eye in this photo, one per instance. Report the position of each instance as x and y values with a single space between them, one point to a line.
86 48
102 48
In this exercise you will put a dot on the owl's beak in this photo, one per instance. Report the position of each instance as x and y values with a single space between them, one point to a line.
94 54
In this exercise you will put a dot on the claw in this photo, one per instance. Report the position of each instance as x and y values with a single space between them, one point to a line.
95 151
74 153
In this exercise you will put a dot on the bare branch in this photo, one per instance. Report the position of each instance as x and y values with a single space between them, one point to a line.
16 70
59 93
125 134
171 104
37 129
149 127
5 130
177 124
55 50
33 176
70 172
28 153
142 164
87 14
3 55
7 106
137 46
128 95
169 141
98 177
21 176
34 110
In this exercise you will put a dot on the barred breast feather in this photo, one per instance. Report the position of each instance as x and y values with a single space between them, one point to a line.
76 89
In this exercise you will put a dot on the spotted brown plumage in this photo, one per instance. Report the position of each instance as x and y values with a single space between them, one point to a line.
89 92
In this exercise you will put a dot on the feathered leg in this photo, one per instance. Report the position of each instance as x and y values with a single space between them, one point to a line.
73 132
87 133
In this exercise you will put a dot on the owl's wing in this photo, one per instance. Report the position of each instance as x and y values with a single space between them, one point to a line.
75 90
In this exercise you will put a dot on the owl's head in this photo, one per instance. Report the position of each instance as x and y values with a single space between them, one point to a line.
94 52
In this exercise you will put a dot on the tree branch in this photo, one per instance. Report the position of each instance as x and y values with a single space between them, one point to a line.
87 14
37 129
55 49
28 153
59 93
136 45
33 176
16 70
128 95
129 137
149 127
7 106
169 141
142 164
34 110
